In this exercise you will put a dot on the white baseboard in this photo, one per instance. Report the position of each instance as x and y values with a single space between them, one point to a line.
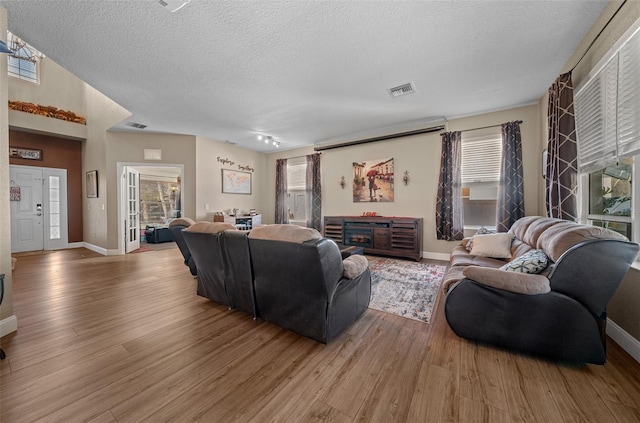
622 338
75 245
435 256
95 248
8 325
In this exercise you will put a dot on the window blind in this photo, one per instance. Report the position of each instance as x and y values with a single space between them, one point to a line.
481 159
629 97
608 110
595 106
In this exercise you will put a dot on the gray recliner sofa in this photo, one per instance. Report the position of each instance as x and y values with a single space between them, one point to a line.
560 313
303 284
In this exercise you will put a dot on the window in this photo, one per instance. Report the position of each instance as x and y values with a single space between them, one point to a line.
481 161
607 109
297 197
23 62
54 207
610 196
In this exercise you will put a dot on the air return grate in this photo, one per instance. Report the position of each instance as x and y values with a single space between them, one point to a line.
404 89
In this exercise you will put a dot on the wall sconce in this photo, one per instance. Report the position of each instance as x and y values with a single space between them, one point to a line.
343 183
405 178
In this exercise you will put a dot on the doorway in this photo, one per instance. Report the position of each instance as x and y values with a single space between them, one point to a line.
135 210
38 208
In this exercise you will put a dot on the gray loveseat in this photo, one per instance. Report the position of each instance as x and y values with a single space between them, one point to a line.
559 313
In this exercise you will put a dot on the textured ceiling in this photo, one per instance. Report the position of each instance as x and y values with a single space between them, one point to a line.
305 71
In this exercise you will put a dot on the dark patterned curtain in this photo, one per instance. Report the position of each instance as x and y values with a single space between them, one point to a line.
511 188
281 192
561 174
449 219
313 190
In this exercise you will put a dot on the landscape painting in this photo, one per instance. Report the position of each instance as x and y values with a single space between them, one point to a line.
373 181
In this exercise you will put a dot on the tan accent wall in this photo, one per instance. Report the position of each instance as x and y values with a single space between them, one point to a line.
209 177
126 147
6 309
58 153
420 155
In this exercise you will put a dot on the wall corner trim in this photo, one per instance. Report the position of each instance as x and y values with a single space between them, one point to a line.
622 338
8 325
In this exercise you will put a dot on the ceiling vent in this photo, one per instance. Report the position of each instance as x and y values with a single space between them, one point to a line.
404 89
173 5
136 125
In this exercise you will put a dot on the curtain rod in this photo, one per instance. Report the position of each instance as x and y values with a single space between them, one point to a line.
596 37
482 127
300 157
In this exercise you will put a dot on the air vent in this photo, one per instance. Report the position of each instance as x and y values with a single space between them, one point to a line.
136 125
402 90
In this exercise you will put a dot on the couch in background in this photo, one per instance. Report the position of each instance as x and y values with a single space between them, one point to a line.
559 312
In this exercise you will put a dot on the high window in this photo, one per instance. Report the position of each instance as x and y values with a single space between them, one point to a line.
481 159
24 62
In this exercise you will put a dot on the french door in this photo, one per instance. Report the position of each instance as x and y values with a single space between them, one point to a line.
132 220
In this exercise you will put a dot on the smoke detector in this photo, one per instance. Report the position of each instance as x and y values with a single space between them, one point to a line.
403 89
174 5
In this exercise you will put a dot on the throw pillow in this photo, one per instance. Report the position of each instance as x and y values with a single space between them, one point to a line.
354 266
492 245
521 283
535 261
468 245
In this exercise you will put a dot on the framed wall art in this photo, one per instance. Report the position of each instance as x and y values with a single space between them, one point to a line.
236 182
373 181
92 184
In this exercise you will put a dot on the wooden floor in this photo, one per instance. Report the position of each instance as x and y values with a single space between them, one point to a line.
125 339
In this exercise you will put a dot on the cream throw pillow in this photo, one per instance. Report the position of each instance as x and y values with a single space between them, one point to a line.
354 266
492 245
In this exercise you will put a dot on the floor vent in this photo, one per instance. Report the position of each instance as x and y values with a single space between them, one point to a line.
136 125
402 90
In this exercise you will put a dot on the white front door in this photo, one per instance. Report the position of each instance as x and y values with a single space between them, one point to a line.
27 231
132 220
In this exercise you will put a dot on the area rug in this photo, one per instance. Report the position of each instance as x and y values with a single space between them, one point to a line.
404 288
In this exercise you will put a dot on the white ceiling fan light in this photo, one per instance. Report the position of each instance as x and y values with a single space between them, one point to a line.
174 5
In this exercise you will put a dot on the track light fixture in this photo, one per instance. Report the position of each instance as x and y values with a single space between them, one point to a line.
268 139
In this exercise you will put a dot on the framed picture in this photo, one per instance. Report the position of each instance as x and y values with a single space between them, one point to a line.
373 181
92 184
236 182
